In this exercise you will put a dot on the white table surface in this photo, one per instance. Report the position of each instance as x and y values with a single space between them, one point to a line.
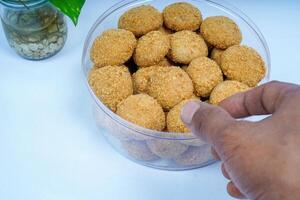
50 148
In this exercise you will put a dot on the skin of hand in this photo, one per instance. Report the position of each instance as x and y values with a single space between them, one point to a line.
260 159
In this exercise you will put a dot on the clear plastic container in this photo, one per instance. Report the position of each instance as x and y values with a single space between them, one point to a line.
169 151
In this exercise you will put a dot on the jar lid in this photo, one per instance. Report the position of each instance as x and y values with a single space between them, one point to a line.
22 3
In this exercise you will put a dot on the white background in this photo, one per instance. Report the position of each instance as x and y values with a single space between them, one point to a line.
50 148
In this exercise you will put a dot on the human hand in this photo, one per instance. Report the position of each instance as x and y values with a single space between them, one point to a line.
261 159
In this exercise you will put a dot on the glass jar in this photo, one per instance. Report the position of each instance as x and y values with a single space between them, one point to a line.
33 28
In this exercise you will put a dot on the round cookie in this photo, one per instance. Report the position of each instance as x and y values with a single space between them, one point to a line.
141 20
113 47
166 149
174 122
111 84
182 16
221 32
170 87
186 46
138 150
151 49
165 30
142 76
165 62
143 111
205 74
195 156
216 55
226 89
113 130
243 64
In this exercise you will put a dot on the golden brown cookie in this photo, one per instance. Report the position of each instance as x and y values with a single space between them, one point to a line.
138 150
142 76
216 55
166 149
243 64
151 49
165 30
182 16
221 32
195 156
174 122
205 74
165 63
226 89
113 47
186 46
141 20
143 111
111 84
170 87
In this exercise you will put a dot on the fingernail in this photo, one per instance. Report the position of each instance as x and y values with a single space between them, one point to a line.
188 111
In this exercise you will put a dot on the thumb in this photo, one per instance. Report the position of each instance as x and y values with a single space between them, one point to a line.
207 122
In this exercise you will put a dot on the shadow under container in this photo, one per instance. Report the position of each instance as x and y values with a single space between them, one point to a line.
162 150
33 28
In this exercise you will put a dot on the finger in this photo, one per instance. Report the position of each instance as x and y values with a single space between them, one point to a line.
206 121
215 154
234 191
262 100
224 172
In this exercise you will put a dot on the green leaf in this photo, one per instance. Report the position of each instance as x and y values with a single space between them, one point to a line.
70 8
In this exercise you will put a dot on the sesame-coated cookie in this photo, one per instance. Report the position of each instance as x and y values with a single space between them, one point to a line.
167 149
195 156
182 16
138 150
205 74
221 32
165 30
113 47
141 20
142 110
216 55
142 76
185 46
151 49
174 122
243 64
226 89
111 84
166 62
170 87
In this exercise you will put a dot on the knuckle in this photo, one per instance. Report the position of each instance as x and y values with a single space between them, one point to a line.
290 93
275 82
294 92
